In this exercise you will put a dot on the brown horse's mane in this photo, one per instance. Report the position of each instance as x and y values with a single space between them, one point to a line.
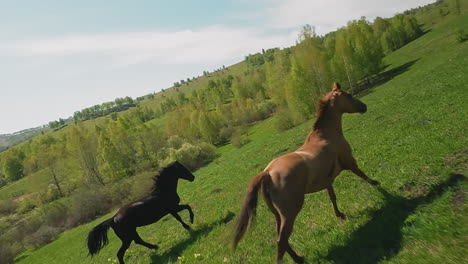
322 106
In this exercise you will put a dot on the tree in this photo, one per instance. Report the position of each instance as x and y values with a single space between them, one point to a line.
276 72
50 152
12 164
299 94
368 52
83 145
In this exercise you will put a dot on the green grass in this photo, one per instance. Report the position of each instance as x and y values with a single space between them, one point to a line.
14 189
408 140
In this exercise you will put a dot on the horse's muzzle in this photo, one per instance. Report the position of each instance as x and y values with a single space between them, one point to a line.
363 109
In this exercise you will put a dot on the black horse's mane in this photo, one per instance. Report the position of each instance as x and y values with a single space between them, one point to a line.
158 179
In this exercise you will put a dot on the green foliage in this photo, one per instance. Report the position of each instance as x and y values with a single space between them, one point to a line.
12 164
3 181
86 204
462 36
7 207
84 146
239 138
117 151
193 156
43 235
118 105
27 204
283 120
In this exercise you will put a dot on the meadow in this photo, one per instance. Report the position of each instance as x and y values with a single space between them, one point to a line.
412 139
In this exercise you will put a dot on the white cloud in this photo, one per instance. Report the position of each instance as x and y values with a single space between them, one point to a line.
207 45
328 15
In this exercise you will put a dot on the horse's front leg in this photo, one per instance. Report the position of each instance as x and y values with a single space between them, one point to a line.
361 174
331 193
188 208
349 163
178 218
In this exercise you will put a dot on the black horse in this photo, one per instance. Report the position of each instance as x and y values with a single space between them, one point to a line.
163 200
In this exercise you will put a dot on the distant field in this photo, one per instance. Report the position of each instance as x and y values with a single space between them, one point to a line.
413 140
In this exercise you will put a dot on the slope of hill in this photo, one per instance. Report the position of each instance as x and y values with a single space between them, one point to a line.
10 140
412 140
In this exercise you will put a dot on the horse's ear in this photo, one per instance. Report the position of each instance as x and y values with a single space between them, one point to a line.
336 86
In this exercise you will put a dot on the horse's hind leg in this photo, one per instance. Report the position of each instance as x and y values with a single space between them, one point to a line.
123 248
288 209
286 228
266 197
126 238
138 240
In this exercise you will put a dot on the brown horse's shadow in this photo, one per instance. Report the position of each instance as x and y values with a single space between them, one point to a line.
177 249
381 237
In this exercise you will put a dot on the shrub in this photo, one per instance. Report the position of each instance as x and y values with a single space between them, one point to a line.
239 138
50 194
142 185
27 205
462 36
283 120
225 134
175 142
195 156
6 253
118 193
3 181
8 207
42 236
87 204
267 108
54 214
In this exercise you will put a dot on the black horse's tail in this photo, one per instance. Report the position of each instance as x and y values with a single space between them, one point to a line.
97 238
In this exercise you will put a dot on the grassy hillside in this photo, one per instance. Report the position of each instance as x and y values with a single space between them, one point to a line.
412 140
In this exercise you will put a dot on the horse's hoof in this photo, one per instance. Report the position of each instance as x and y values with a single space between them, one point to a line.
299 259
341 216
155 247
374 182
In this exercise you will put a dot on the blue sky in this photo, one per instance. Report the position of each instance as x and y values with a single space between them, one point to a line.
57 57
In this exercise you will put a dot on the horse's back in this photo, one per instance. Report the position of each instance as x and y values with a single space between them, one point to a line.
142 212
307 169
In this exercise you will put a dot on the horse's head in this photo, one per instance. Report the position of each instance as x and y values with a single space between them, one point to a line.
345 102
182 172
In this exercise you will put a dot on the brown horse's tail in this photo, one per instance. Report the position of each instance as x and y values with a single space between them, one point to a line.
249 208
97 238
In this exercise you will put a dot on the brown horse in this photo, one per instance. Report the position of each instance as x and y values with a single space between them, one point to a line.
311 168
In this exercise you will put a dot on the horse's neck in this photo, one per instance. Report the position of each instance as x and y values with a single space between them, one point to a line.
169 186
327 126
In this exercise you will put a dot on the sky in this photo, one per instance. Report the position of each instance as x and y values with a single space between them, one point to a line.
60 56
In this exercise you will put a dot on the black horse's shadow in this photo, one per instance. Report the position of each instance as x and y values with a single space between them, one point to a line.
381 237
177 249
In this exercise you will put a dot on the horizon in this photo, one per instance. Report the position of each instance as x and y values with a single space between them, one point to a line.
61 57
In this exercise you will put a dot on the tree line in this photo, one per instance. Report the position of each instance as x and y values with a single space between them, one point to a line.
287 81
